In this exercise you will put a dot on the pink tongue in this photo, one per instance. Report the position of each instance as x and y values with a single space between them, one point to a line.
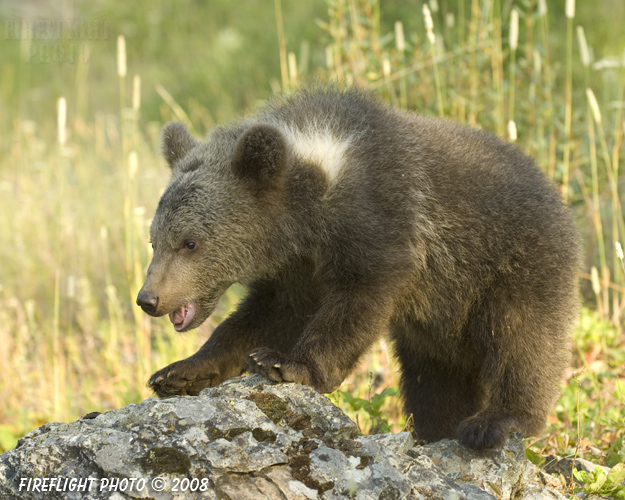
183 316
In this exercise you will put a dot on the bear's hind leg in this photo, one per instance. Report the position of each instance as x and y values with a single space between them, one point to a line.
526 350
437 394
519 399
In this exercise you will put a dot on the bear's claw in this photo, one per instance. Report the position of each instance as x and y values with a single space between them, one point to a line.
277 367
268 363
182 378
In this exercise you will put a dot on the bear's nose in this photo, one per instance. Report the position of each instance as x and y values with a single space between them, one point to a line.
148 302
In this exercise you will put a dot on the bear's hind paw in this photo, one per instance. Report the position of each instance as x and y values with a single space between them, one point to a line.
485 430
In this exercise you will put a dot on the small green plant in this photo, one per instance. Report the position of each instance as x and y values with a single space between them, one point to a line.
372 407
616 453
598 482
536 458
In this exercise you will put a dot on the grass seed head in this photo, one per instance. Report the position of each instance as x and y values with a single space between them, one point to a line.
61 121
583 47
400 41
514 29
594 106
121 56
570 9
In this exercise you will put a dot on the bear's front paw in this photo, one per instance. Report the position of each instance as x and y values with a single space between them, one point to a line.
182 378
485 430
277 367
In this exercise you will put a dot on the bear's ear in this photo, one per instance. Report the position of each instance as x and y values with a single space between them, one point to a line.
176 142
260 155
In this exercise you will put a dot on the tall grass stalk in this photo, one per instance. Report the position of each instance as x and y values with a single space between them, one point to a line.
281 43
400 45
121 69
596 203
178 112
548 84
570 14
474 73
57 355
429 27
497 62
513 42
617 222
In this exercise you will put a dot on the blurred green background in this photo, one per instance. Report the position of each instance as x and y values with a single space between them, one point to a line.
74 210
213 54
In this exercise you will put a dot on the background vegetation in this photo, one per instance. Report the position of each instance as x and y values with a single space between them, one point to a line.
76 194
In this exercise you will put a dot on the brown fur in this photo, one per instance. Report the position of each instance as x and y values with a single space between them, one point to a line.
447 239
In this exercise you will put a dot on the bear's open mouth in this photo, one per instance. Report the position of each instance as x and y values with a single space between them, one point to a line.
182 317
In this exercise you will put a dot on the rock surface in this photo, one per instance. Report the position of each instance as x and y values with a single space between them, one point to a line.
246 439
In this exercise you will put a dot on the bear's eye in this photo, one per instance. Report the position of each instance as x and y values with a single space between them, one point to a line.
190 245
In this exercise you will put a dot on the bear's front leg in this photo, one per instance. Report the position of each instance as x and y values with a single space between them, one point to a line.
220 358
216 361
344 327
259 320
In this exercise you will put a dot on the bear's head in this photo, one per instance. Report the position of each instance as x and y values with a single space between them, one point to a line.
215 223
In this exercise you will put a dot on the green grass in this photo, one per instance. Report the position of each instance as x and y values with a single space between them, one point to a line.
75 216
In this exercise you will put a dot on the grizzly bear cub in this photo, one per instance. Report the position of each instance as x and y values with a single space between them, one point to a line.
347 219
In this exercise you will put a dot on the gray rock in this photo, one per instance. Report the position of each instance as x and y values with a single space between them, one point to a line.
505 473
246 439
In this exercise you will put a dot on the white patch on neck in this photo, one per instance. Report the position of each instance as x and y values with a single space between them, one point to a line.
319 147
